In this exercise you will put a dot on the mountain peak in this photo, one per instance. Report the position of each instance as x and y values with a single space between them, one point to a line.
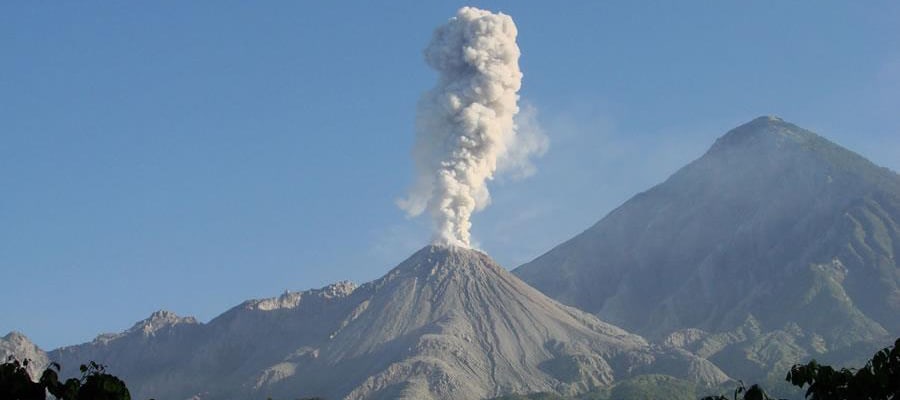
15 336
16 339
159 320
163 317
149 326
444 258
769 131
771 143
767 119
452 250
18 345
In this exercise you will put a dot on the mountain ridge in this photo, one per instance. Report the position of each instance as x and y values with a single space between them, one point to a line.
447 323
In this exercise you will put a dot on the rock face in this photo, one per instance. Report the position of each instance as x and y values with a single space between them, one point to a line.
448 323
17 345
775 227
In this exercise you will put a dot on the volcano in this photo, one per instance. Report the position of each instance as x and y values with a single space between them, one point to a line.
447 323
451 323
775 246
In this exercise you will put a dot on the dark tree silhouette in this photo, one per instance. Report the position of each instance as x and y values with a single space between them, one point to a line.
94 384
16 383
752 393
879 379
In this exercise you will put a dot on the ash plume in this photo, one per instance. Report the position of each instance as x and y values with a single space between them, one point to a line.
466 126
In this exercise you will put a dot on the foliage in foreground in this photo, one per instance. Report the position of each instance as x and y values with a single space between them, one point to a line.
754 392
879 379
94 384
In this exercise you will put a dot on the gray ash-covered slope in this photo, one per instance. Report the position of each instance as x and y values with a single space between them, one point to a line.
448 323
776 239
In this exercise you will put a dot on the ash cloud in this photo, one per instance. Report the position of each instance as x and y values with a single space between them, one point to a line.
467 129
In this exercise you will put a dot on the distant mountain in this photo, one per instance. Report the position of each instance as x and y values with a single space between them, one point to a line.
240 351
448 323
17 345
775 246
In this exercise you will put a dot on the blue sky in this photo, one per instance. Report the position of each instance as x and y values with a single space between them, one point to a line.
189 156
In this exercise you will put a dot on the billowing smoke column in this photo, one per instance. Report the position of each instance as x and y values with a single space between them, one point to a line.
465 126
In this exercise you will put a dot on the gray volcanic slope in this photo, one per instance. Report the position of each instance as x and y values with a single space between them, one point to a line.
775 246
448 323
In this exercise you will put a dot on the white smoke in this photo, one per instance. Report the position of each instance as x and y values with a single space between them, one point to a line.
466 126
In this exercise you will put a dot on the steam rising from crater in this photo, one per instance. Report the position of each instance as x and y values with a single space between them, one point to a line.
466 126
